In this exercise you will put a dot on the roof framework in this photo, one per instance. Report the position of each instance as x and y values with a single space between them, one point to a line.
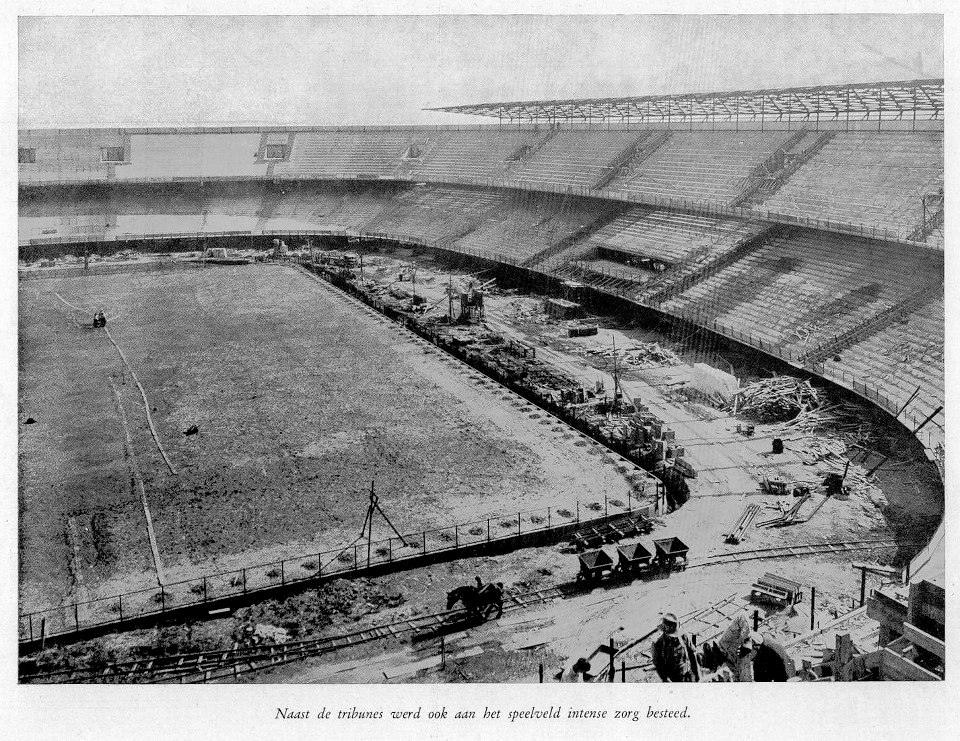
916 100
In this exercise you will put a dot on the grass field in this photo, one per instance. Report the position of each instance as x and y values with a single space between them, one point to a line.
300 399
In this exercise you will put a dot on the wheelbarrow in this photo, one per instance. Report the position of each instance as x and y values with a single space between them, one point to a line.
671 553
593 564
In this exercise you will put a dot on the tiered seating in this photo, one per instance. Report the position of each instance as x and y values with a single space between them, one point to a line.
136 224
616 270
168 156
432 213
574 158
529 223
357 208
872 178
301 208
664 235
902 357
700 166
228 211
797 291
68 155
470 154
348 154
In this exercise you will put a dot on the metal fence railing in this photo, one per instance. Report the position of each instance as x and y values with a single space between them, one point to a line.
314 566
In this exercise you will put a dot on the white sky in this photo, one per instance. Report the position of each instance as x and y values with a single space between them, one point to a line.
330 70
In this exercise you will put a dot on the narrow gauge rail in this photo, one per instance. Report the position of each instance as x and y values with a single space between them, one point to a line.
189 668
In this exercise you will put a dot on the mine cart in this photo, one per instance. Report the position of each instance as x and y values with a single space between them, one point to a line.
593 564
633 558
671 553
588 538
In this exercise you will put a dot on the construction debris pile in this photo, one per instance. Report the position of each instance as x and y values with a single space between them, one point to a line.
777 399
639 355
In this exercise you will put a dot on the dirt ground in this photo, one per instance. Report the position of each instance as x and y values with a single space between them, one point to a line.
904 501
300 401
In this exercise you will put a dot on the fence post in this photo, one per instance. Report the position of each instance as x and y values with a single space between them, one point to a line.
120 604
390 553
204 589
424 541
319 565
488 529
518 523
578 511
163 599
282 574
30 617
605 512
456 536
629 499
548 518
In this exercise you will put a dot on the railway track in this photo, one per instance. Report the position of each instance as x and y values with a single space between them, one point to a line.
211 666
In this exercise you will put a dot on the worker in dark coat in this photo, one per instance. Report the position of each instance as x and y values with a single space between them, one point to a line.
771 662
673 655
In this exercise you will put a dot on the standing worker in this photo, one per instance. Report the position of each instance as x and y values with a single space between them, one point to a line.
771 662
673 655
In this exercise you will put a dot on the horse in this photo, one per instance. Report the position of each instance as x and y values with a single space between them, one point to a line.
480 602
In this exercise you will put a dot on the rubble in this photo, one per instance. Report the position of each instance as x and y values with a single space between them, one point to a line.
639 355
776 399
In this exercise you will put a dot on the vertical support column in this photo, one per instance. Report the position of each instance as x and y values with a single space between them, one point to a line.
612 673
813 606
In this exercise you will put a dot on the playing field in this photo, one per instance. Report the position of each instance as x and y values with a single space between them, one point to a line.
300 399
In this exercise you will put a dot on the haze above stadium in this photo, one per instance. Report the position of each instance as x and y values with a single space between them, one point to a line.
379 70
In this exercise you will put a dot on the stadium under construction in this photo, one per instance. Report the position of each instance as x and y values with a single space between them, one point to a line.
520 401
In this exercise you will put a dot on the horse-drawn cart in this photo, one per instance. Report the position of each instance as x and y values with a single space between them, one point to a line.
593 564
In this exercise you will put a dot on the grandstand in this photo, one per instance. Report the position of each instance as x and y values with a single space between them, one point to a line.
796 288
574 158
700 166
876 179
662 235
803 224
471 155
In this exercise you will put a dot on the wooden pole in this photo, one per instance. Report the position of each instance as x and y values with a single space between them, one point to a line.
863 585
813 605
443 653
756 620
541 673
613 668
623 672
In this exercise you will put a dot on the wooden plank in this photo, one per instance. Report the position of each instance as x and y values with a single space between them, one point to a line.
924 640
894 666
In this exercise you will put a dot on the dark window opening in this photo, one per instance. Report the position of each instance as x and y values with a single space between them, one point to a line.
275 151
26 156
111 154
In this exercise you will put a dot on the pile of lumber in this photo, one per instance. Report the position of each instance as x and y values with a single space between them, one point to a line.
776 399
639 355
739 528
789 517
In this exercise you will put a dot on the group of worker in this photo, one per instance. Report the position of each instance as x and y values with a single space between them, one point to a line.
744 655
99 320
